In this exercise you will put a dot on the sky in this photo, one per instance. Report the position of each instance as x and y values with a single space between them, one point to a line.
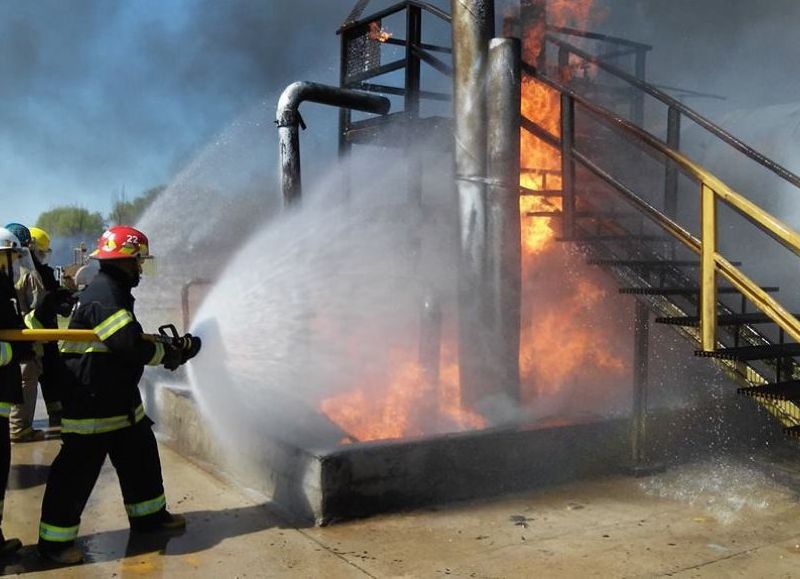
104 96
101 96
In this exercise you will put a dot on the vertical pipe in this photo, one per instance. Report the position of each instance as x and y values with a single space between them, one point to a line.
503 228
430 341
640 367
289 147
671 182
472 27
708 273
568 165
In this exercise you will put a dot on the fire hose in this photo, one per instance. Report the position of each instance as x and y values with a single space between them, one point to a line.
167 335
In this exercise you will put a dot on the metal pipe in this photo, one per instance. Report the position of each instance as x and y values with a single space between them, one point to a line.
503 227
430 339
289 122
473 24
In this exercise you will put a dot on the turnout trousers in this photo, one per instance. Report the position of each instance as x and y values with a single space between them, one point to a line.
5 454
73 474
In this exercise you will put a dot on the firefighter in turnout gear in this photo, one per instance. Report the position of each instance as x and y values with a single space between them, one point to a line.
10 357
103 413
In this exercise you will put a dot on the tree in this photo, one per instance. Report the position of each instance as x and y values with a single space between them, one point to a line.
71 221
125 212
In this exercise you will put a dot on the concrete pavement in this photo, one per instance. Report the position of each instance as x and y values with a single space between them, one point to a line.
719 519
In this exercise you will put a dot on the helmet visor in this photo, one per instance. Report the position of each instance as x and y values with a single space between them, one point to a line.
148 266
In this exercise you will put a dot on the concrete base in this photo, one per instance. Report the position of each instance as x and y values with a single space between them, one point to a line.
368 478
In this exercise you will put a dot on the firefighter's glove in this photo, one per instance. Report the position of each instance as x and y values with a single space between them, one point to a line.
190 346
60 301
173 357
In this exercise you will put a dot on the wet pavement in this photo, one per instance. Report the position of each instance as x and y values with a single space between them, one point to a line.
720 519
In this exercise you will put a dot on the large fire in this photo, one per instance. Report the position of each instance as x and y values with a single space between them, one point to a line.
568 346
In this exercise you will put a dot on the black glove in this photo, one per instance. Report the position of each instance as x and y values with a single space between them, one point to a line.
60 301
173 357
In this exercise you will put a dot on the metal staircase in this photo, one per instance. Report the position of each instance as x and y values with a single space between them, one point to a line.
642 241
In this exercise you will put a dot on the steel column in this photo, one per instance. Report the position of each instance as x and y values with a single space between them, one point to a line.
640 71
473 24
412 102
640 378
503 229
671 182
568 164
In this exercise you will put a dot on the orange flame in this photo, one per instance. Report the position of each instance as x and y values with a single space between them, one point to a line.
409 407
569 320
377 32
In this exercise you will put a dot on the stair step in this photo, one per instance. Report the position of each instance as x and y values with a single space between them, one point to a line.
722 320
748 353
661 238
792 431
648 263
682 291
585 214
789 390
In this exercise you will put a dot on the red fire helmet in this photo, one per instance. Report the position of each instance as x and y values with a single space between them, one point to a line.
122 242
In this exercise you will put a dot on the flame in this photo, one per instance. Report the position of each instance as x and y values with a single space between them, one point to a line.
561 346
377 32
409 407
569 323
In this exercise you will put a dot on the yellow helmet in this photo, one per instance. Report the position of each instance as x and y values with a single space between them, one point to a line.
40 239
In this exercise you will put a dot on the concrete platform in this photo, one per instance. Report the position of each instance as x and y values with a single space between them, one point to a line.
724 518
357 480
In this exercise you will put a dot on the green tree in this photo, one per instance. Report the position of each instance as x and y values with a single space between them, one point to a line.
71 220
125 212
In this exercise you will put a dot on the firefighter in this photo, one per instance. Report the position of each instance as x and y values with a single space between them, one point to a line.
103 412
52 370
10 355
30 291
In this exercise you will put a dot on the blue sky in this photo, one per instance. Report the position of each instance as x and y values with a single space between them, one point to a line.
104 94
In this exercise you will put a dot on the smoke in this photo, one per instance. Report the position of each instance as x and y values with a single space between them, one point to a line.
738 49
104 94
317 302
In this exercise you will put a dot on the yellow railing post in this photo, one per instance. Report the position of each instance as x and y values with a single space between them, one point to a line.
708 272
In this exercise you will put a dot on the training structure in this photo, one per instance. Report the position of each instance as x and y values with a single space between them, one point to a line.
615 224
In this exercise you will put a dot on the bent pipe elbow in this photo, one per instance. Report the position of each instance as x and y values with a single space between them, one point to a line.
299 92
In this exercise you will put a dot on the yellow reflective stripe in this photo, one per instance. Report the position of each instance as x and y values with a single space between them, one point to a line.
113 324
5 409
31 321
99 425
146 507
6 353
158 355
57 534
83 347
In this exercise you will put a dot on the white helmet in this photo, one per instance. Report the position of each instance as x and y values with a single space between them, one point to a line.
9 241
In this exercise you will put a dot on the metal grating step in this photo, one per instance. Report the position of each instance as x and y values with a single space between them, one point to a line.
792 431
682 291
789 391
748 353
648 263
722 320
